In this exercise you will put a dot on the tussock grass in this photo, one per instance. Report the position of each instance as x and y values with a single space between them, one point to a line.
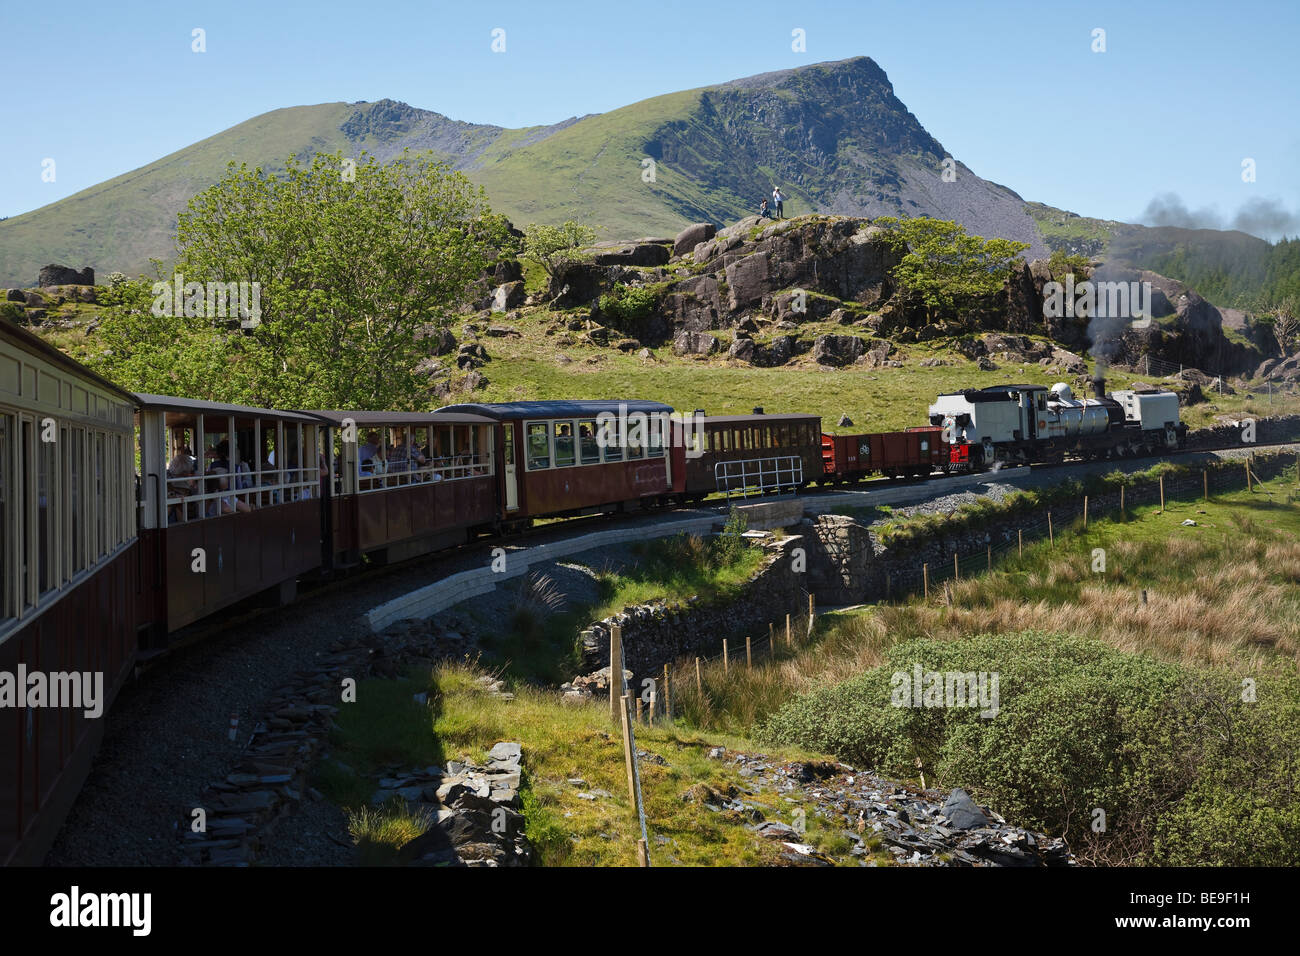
380 832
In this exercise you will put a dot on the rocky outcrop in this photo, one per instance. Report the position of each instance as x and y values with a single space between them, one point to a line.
691 236
63 275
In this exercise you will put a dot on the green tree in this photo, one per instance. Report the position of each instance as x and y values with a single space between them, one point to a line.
554 246
944 266
353 261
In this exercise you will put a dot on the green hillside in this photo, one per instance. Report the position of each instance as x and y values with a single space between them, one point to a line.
832 135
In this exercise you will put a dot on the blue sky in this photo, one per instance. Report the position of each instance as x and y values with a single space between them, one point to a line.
1184 92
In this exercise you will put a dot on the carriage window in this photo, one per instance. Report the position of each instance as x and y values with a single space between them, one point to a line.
539 445
612 450
563 444
590 447
7 608
656 437
101 499
46 552
636 440
76 498
510 443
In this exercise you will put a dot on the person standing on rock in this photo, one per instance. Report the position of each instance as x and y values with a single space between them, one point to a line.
779 201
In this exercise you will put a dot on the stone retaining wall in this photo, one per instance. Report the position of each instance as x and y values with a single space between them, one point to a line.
656 634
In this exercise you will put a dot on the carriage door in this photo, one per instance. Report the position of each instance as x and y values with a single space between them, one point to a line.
512 489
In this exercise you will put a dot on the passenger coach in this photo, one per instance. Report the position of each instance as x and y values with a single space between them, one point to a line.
230 506
760 453
555 459
406 483
69 582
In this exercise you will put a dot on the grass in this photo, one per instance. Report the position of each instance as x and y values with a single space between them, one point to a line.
1221 594
561 741
544 363
537 641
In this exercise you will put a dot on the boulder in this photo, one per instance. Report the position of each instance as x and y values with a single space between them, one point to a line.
635 254
691 236
837 350
747 280
694 343
442 342
62 275
508 296
34 300
15 295
507 270
962 812
780 351
742 350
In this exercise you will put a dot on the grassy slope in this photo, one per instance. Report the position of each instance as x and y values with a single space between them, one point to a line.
875 399
135 213
592 172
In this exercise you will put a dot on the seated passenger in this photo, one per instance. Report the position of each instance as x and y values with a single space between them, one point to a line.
227 504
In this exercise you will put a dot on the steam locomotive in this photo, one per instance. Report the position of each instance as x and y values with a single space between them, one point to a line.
1018 424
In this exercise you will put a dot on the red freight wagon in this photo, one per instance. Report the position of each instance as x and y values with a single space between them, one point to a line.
914 452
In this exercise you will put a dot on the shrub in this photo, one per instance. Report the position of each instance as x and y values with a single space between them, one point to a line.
627 306
1185 771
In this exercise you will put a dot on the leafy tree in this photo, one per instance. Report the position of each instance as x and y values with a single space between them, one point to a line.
1060 264
353 261
944 266
555 246
1285 319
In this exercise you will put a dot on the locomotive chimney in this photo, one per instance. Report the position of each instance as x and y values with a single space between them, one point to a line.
1099 386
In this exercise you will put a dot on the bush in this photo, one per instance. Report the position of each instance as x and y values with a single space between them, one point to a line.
1185 771
626 307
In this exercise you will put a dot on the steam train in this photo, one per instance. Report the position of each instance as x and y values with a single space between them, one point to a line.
127 520
1020 424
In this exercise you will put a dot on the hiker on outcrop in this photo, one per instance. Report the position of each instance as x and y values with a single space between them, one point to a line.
779 201
762 210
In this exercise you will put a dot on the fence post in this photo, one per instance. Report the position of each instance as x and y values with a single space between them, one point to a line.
789 641
925 580
771 639
749 659
1020 540
990 551
615 668
668 697
1205 483
1085 512
627 756
1051 538
812 609
638 709
725 666
1162 489
699 681
1121 502
1249 486
653 700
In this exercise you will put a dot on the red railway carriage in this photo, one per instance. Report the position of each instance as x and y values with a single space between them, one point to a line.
915 452
759 452
406 483
565 458
230 505
69 584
